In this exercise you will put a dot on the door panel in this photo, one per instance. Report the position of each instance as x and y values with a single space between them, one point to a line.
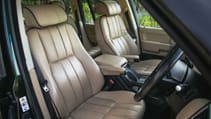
155 41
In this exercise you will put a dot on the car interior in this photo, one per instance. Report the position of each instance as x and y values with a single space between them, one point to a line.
109 67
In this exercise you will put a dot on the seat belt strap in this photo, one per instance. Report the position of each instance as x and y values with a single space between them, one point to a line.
132 33
54 113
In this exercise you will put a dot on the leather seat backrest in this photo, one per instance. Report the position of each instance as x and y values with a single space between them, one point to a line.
70 18
72 74
111 32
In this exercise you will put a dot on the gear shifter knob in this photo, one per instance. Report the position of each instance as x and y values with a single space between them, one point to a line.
178 88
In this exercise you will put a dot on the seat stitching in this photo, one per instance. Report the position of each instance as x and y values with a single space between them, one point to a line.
123 115
125 108
108 19
112 49
77 78
115 28
53 43
101 31
104 98
125 45
92 111
90 85
57 88
114 107
62 39
69 38
40 39
33 16
57 84
110 109
70 83
125 35
114 101
120 46
119 27
98 104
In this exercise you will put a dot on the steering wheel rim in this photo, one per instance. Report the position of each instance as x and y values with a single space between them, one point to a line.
160 71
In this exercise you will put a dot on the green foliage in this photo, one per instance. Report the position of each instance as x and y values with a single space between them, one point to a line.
97 15
148 21
87 13
145 19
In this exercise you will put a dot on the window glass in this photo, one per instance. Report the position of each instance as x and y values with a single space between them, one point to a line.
145 19
87 12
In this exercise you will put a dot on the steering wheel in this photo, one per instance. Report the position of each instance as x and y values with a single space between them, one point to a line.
160 71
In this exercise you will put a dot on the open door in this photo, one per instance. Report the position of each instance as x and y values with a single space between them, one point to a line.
153 39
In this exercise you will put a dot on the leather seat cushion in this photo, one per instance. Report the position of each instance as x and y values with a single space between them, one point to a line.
145 67
110 105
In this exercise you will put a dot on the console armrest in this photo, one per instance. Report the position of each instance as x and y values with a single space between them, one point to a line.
131 58
112 71
110 64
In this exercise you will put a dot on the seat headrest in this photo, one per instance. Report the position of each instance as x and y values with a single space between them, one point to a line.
107 7
59 3
43 15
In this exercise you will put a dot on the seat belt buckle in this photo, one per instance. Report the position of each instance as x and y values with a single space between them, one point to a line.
45 88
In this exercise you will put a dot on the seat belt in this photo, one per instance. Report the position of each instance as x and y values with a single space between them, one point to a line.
45 90
132 33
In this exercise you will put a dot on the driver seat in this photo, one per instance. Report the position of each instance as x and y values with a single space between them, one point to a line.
113 37
74 79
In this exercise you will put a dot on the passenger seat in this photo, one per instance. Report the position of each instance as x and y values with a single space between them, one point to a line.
93 50
113 37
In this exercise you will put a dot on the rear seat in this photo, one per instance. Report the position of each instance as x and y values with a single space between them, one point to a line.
93 51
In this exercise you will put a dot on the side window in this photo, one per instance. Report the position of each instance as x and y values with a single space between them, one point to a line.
88 17
87 12
145 19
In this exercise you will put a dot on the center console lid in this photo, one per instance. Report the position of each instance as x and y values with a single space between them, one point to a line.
111 65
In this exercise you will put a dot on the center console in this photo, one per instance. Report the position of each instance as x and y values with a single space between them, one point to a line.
118 74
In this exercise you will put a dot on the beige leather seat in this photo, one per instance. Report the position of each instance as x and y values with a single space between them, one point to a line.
93 51
113 37
73 77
